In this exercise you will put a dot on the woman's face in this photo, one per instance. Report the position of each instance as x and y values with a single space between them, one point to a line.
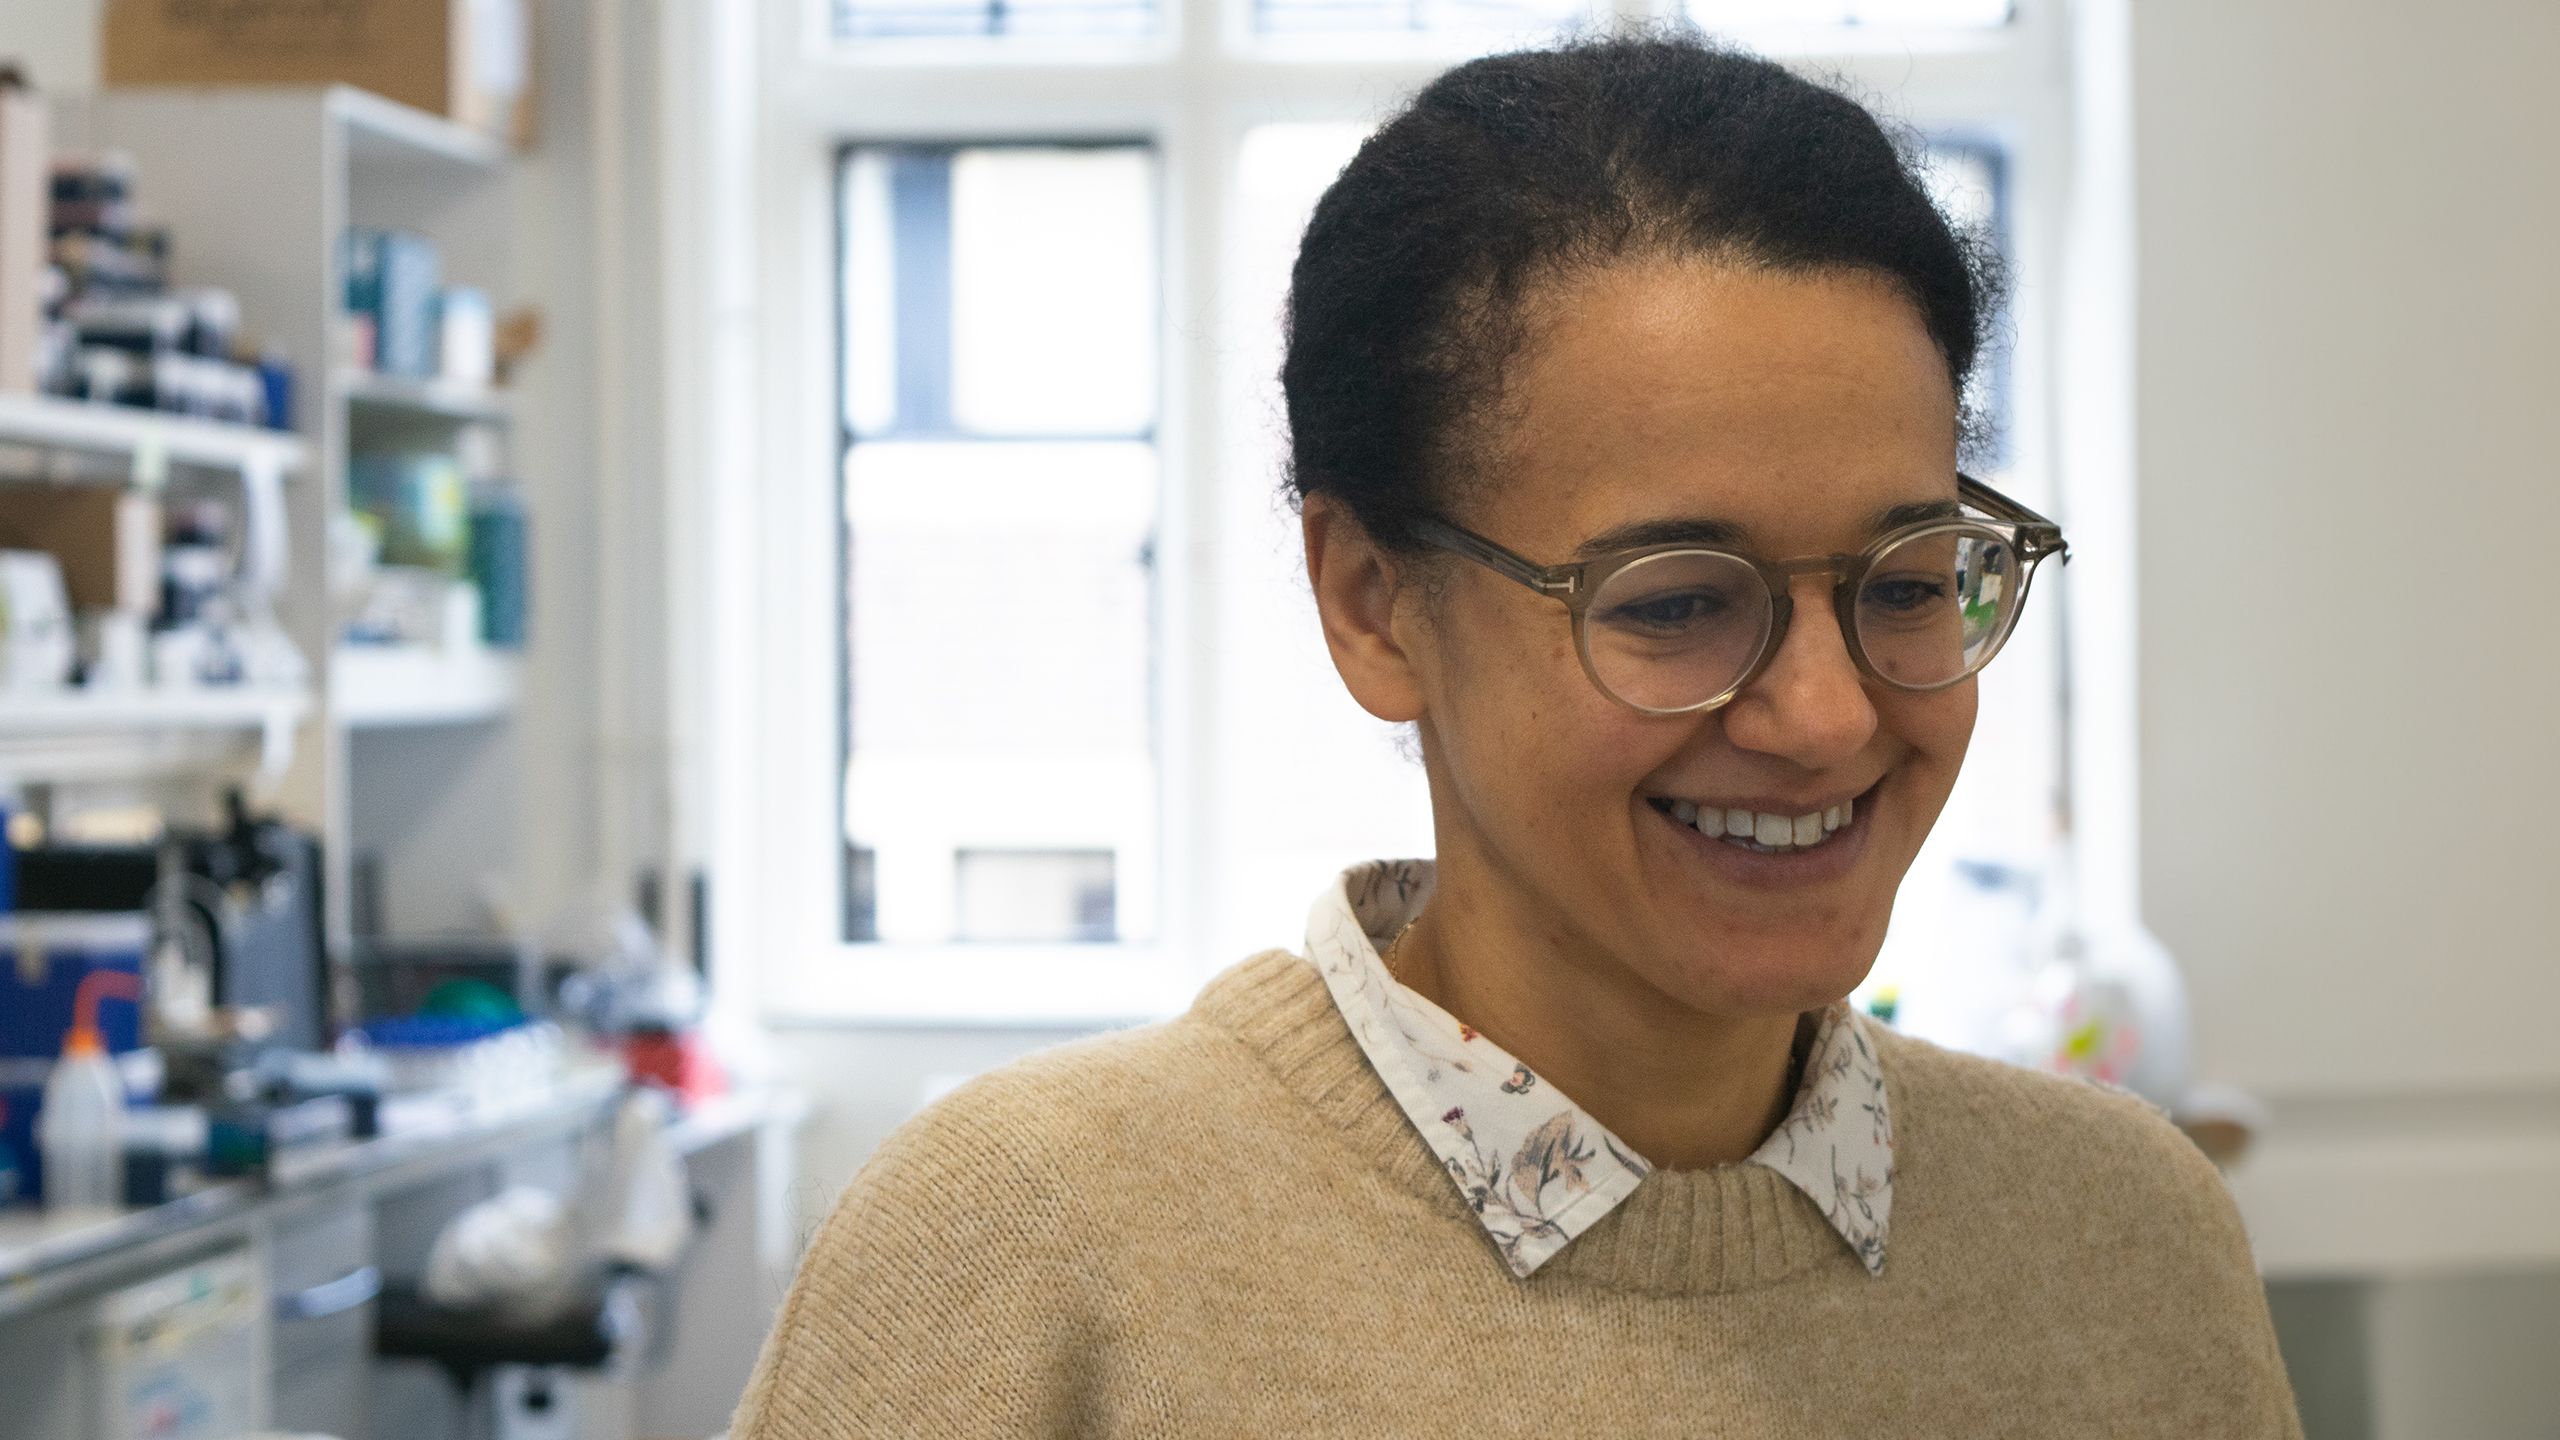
1796 409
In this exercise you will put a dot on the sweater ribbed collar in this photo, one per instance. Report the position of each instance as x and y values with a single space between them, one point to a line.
1554 1191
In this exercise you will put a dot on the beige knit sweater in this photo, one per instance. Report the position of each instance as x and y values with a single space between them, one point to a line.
1222 1225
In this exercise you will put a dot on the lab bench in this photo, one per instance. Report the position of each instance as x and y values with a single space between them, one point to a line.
324 1235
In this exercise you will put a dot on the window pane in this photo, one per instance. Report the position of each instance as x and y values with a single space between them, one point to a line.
869 19
1080 17
1916 13
1053 312
1000 651
1520 21
871 291
1964 179
861 893
999 290
1968 180
990 580
1879 14
1035 895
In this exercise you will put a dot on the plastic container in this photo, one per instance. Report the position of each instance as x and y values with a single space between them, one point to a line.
80 1128
44 955
500 552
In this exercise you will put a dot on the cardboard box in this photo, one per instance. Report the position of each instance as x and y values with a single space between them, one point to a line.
470 61
106 537
25 164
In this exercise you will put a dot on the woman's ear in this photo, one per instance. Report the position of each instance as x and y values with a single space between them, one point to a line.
1354 584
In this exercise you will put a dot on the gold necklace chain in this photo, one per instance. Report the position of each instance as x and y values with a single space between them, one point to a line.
1389 958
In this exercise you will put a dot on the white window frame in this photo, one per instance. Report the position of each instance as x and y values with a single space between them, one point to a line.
1195 89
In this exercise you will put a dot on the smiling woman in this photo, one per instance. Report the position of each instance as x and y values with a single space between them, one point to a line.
1784 411
1571 1128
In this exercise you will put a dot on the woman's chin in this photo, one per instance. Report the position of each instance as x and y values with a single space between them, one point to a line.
1752 973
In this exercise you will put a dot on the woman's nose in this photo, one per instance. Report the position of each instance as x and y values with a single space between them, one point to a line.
1809 704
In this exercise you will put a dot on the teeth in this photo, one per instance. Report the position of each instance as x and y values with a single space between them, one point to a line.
1764 832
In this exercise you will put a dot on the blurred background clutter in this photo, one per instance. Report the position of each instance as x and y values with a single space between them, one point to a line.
530 530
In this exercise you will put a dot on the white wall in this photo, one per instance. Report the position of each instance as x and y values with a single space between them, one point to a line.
2349 455
54 42
2345 447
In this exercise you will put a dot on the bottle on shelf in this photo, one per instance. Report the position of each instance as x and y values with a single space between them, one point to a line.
80 1126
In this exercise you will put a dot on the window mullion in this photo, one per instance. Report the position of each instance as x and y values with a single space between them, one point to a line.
1199 165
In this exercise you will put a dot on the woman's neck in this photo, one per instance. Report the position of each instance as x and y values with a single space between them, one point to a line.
1684 1089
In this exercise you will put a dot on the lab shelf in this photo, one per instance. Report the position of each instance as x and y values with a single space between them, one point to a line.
385 134
383 686
47 422
446 400
76 735
194 707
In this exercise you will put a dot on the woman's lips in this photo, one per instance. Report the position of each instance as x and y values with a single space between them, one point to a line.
1834 857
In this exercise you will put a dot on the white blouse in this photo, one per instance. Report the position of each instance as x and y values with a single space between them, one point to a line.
1537 1170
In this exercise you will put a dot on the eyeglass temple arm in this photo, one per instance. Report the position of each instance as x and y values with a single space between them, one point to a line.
2042 535
1562 580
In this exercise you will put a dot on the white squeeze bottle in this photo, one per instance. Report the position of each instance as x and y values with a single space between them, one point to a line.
80 1130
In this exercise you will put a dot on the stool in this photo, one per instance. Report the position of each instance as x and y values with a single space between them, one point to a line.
600 1326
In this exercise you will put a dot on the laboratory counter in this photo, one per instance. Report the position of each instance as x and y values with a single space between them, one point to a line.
317 1244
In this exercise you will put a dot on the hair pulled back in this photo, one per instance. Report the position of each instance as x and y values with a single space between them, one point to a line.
1517 170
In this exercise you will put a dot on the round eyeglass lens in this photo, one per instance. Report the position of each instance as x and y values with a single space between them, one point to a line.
1934 607
1676 630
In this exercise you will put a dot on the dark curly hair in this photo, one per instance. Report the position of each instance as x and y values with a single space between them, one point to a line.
1512 171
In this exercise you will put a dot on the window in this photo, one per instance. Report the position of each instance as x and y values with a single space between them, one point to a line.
1090 745
1000 501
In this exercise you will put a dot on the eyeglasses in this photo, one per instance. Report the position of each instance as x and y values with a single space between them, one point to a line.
1671 629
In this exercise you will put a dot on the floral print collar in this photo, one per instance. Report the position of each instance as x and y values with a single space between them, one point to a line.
1537 1170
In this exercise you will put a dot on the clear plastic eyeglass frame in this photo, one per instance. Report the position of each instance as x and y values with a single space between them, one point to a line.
2029 535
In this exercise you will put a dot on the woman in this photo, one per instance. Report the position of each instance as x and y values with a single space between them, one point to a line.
1623 385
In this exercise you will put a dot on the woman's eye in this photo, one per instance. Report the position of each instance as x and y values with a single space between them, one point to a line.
1671 610
1901 595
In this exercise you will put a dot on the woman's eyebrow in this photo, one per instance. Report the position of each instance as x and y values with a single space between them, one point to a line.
1894 517
1697 530
1636 534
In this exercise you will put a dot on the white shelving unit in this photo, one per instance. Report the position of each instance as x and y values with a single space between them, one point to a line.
78 735
406 755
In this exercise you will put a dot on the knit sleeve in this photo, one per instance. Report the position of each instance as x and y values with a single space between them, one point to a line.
947 1294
